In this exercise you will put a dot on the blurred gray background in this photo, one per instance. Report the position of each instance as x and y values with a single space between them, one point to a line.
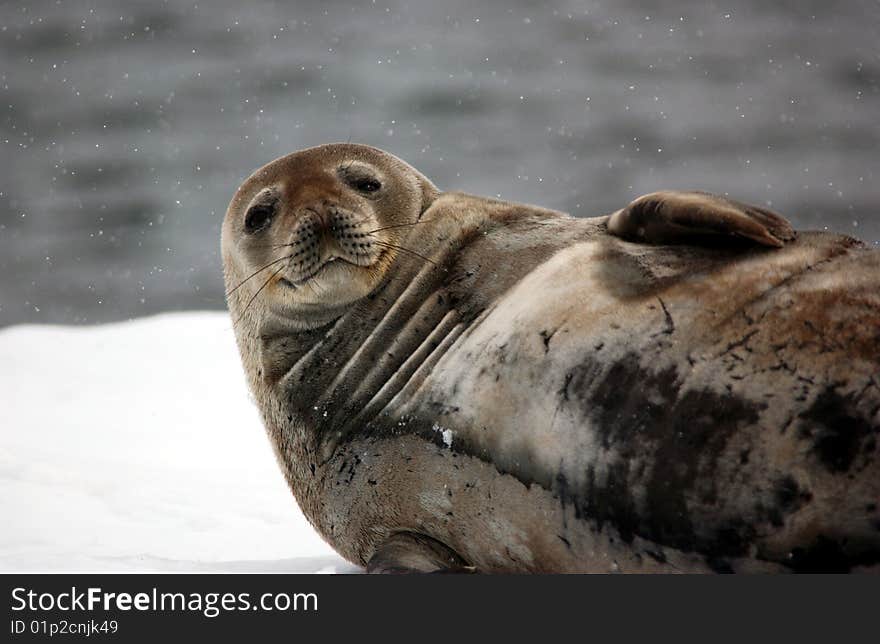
126 126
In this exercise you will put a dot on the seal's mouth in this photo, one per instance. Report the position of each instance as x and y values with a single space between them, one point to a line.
300 281
297 282
286 282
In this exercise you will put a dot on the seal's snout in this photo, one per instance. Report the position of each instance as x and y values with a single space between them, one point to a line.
326 232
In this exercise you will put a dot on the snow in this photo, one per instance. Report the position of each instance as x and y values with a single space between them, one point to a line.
136 447
446 434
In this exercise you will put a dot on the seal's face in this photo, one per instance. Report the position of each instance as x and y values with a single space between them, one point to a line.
318 229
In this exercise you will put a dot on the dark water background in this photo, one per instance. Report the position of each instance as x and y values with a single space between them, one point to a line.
125 127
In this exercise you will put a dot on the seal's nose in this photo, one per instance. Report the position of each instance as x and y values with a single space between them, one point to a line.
320 217
320 228
325 231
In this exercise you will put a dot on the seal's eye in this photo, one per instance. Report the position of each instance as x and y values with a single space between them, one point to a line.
366 184
258 218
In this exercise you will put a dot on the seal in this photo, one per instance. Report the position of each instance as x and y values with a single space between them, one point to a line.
456 383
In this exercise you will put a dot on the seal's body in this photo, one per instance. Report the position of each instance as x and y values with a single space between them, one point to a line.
519 390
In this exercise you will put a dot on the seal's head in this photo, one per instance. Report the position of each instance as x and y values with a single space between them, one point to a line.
312 232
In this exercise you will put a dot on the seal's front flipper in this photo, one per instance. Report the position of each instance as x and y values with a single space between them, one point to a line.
684 217
408 552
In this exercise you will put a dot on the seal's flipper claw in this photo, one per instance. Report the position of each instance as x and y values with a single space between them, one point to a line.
408 552
685 217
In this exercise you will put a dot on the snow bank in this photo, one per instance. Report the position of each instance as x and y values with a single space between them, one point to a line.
135 446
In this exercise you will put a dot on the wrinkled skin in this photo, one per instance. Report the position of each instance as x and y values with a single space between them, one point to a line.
480 385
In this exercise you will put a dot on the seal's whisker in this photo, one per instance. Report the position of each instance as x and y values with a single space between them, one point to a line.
368 232
255 273
277 246
271 246
312 284
411 223
254 296
405 250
